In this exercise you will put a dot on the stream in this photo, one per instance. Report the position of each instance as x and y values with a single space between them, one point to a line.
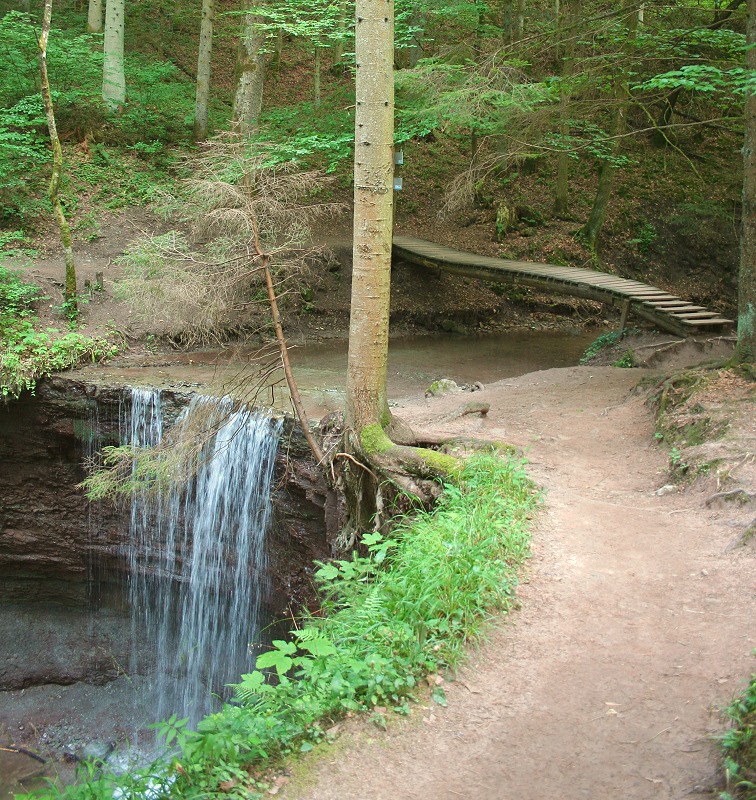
320 367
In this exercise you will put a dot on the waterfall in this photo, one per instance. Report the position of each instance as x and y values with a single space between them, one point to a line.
197 556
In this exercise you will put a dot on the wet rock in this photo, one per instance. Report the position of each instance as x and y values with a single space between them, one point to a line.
95 751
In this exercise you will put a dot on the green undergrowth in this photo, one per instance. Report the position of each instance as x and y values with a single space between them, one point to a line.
401 609
739 746
682 422
609 341
28 353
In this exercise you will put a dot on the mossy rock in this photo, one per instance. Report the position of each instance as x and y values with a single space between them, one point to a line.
441 387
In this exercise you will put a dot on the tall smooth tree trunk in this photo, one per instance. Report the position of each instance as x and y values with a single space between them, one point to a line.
507 20
316 77
519 23
746 346
250 74
338 48
367 405
565 21
203 70
94 16
25 6
592 229
53 191
113 76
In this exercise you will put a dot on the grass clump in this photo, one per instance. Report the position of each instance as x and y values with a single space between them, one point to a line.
739 746
400 609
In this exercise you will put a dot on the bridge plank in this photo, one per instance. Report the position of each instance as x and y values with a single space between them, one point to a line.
665 310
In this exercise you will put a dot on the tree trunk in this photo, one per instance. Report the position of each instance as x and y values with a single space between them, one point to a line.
338 48
53 191
250 74
565 21
519 26
316 77
275 63
746 346
113 77
25 6
94 17
367 405
369 425
592 229
507 21
203 70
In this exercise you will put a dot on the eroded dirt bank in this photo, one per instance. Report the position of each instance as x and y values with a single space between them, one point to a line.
636 623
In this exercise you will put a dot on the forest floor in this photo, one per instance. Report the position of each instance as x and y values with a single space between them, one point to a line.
635 626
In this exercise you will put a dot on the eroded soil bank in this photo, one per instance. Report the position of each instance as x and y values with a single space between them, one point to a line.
636 623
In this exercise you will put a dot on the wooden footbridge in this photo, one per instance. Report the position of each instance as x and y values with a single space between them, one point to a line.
666 311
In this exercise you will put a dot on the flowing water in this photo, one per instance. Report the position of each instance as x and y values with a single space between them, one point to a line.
197 555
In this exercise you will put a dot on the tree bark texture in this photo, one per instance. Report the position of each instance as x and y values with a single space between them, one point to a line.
519 26
746 346
113 77
250 75
595 223
566 16
367 403
203 70
94 16
338 48
53 191
316 77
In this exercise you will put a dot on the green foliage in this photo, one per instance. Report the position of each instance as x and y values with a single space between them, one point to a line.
16 296
645 237
14 244
602 342
27 354
739 746
158 111
304 135
457 97
704 78
626 361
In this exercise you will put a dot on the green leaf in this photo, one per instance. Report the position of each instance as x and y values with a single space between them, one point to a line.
438 695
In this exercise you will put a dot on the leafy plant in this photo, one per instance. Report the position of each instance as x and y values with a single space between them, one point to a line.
739 746
626 361
27 354
645 237
602 342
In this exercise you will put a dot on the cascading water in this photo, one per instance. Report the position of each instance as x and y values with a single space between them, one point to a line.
197 561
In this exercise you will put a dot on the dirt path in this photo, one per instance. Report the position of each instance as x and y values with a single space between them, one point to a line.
636 623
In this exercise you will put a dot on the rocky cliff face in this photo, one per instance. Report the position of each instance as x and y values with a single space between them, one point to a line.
62 557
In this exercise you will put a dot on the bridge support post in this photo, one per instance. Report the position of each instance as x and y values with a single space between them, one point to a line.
623 319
